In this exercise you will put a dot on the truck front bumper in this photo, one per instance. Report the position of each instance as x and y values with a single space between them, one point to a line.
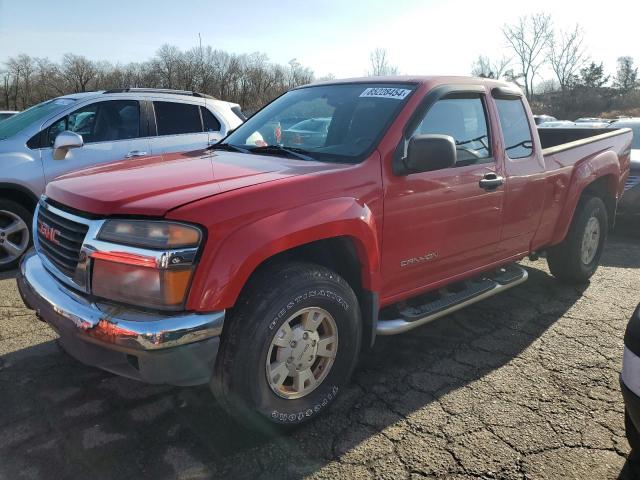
177 349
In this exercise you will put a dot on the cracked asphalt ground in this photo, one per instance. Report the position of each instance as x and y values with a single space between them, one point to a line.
523 385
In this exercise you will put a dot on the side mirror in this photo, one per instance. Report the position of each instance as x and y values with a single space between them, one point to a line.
64 142
430 152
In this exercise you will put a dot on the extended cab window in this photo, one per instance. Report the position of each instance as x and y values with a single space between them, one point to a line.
464 119
101 122
177 118
515 127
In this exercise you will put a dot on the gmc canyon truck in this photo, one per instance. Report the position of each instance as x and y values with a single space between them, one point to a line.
263 268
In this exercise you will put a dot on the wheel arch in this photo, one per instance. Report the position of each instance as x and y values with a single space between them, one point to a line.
604 186
340 255
340 234
19 194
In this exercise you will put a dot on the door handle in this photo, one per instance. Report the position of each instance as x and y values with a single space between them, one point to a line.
135 153
491 181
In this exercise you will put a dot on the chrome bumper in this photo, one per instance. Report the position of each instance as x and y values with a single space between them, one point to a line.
85 325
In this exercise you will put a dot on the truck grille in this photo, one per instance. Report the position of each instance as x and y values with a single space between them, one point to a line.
632 182
60 240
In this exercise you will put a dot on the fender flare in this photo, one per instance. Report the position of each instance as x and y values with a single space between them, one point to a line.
222 275
603 164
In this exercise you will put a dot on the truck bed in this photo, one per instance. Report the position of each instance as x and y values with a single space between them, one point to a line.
571 155
554 140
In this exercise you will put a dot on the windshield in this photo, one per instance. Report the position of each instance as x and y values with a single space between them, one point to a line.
22 120
339 123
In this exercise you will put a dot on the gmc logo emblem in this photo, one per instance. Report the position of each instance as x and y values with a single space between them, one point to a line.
48 232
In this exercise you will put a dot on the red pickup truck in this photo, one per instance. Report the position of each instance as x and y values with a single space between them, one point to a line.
264 269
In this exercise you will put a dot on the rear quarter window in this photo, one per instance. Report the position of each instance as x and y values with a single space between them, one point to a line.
209 121
514 122
177 118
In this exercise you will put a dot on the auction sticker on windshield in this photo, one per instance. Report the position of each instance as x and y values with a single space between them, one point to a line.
386 92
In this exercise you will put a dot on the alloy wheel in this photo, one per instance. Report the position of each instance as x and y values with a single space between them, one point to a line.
302 353
14 237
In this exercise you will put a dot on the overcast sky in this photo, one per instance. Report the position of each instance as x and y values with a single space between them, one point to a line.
332 36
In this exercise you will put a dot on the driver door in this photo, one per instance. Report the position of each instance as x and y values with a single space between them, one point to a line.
442 223
112 130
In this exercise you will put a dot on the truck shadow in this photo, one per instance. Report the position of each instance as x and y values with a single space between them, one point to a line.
62 419
628 227
9 274
623 244
630 471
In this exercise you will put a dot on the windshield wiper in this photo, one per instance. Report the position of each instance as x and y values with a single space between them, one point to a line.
228 147
291 151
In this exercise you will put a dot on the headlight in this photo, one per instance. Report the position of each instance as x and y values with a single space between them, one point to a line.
156 274
150 234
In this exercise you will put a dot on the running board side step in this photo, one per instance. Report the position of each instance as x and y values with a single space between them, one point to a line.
484 287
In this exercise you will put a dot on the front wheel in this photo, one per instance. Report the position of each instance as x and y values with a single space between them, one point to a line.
576 259
15 233
290 346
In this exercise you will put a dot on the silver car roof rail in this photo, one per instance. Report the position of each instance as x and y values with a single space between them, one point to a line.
159 90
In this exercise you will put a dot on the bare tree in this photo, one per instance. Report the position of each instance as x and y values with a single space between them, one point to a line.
380 63
5 80
78 71
249 79
21 68
511 76
487 68
167 64
567 56
325 78
49 79
529 38
298 75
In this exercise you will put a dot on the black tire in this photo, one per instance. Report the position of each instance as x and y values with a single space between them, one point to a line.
565 259
633 437
7 208
240 378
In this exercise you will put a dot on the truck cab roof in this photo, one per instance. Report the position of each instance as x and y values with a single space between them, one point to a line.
420 80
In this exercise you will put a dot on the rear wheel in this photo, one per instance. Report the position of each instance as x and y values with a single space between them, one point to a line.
15 233
290 346
576 259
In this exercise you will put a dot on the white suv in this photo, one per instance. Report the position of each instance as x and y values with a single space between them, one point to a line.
79 130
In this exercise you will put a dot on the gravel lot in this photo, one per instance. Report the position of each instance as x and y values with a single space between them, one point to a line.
524 385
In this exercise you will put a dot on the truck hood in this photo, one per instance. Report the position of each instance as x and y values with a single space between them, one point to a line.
154 185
